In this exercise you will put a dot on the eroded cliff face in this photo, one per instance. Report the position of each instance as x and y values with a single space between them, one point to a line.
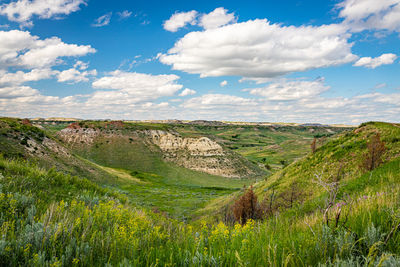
200 154
79 136
173 143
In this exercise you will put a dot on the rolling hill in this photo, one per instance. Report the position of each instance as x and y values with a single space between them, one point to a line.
49 217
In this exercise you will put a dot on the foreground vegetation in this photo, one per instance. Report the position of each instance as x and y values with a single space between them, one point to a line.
48 218
81 224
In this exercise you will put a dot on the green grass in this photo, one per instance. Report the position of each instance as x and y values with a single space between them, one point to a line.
115 163
168 187
346 151
179 194
263 144
50 218
90 233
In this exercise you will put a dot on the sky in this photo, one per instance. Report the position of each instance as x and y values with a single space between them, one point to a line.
304 61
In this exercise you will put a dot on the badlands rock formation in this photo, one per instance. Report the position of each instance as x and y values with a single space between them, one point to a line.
201 154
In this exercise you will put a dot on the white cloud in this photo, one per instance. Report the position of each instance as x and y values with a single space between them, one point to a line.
291 90
17 91
179 20
259 49
223 83
217 18
132 93
103 20
21 77
81 65
73 75
24 101
257 80
124 14
360 15
392 99
187 92
372 63
210 101
20 48
22 11
309 109
132 87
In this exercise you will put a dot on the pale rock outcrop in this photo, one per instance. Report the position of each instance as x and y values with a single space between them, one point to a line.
200 154
172 143
81 135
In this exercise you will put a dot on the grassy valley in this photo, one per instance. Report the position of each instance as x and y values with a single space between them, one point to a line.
120 200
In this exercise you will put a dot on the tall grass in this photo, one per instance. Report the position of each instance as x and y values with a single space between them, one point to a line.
96 229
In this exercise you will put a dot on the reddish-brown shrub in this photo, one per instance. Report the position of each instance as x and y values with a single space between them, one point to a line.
247 207
26 122
314 145
74 125
373 157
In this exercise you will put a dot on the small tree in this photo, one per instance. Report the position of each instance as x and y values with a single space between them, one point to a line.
247 207
268 205
314 145
292 195
373 157
332 186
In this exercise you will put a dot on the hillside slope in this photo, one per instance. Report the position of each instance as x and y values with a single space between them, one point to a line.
139 148
341 156
20 139
118 159
50 218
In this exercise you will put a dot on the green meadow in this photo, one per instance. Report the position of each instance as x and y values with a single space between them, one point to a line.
122 205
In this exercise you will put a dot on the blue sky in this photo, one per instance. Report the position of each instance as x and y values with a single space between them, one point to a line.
276 61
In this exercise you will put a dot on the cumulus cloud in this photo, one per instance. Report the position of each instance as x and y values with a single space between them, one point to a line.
316 108
73 75
259 49
22 11
291 90
132 93
103 20
372 63
24 101
217 18
223 83
187 92
360 15
179 20
21 49
10 92
21 77
132 87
